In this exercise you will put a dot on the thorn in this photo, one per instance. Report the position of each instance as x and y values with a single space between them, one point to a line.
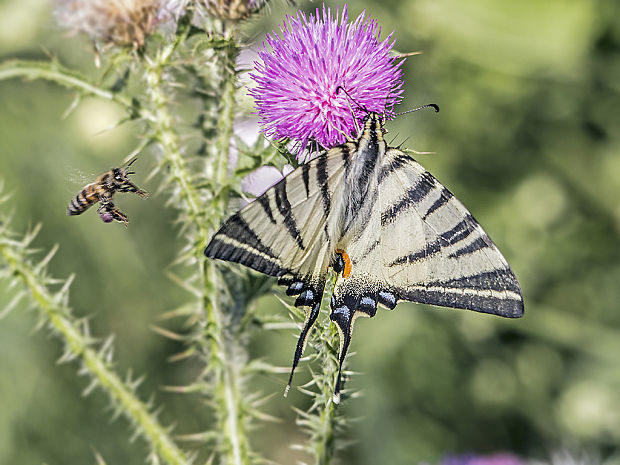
12 304
29 237
65 287
88 389
47 258
410 54
182 355
166 333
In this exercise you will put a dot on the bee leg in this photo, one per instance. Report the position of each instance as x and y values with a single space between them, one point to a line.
131 187
119 216
105 200
108 213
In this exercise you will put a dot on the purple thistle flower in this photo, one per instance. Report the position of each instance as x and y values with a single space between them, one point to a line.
298 79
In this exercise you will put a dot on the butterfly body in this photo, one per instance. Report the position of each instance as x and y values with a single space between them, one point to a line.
385 224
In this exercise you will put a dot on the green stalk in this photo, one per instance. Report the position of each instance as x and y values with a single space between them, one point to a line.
163 132
227 112
78 345
321 420
53 71
231 413
324 435
225 375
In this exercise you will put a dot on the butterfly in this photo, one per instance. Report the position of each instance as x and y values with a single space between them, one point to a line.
387 227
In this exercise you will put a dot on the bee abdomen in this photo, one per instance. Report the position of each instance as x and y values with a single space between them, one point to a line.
81 202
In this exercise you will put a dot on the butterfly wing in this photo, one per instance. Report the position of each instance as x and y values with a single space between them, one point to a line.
284 232
443 257
420 244
423 245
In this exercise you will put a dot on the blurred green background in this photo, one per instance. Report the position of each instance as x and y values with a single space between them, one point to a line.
527 138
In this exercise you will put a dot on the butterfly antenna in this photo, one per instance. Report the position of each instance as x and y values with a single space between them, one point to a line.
387 97
430 105
349 100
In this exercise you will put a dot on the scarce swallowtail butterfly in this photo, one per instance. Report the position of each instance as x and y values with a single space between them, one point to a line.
387 227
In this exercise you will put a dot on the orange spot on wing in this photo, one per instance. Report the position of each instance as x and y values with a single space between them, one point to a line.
347 263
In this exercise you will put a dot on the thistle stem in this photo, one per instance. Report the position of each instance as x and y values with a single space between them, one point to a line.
222 369
162 125
230 409
227 110
324 436
53 71
228 395
58 315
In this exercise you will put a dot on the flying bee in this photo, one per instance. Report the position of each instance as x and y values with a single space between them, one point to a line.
102 190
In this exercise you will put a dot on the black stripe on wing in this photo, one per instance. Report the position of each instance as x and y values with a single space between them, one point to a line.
396 163
321 178
495 303
443 199
496 280
413 196
459 232
284 207
237 242
221 249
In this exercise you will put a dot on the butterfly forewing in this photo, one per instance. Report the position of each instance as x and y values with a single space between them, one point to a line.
443 257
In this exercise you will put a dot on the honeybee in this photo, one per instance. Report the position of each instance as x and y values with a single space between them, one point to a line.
102 190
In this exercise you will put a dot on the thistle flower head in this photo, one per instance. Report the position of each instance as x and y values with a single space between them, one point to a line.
317 71
232 10
115 22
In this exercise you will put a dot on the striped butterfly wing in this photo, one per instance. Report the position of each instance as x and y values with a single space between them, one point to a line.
420 244
443 256
284 233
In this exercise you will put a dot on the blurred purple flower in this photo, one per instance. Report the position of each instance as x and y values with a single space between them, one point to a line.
494 459
297 80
